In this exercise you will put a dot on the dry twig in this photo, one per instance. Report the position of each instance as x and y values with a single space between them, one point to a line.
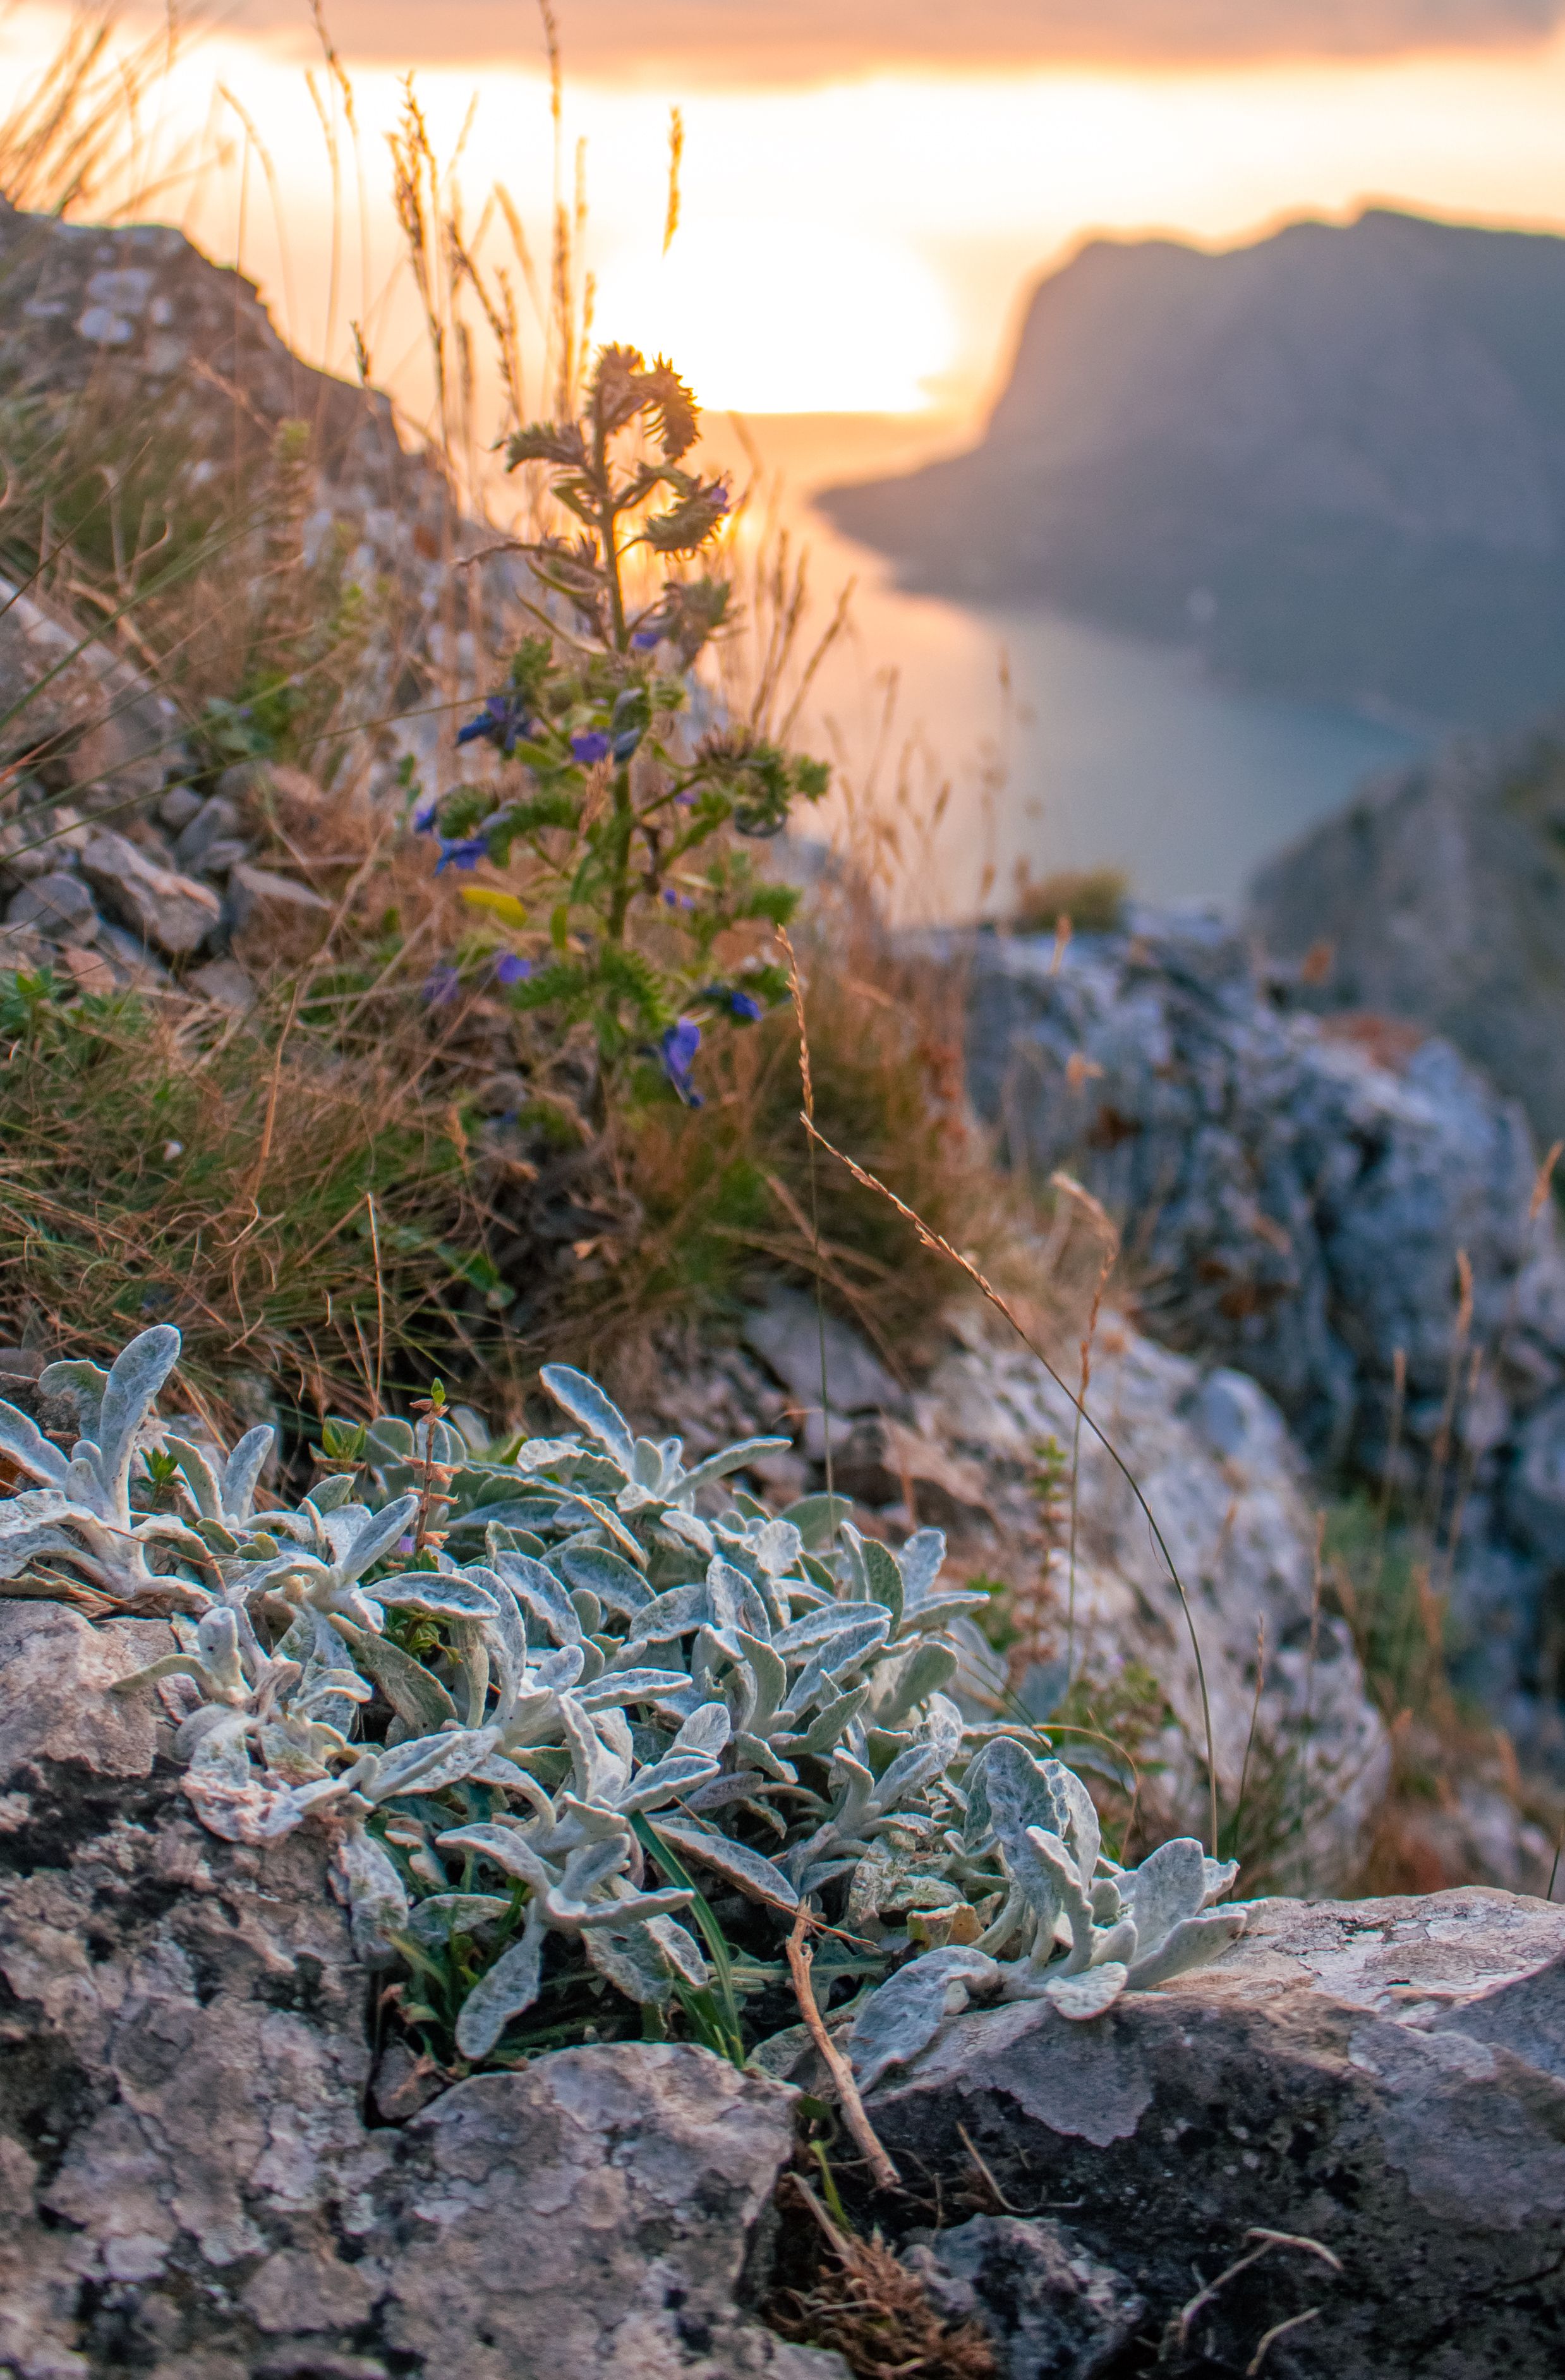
800 1958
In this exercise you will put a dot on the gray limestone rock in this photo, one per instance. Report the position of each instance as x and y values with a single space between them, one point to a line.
1301 1195
129 960
81 718
217 820
135 321
154 902
189 2188
785 1333
1054 2311
1440 890
1386 2079
224 982
60 907
179 807
1213 1459
589 2216
276 922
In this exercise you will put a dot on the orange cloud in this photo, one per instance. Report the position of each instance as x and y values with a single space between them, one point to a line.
759 38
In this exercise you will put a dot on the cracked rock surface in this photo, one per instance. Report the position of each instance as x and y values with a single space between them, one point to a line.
188 2185
1301 1193
1384 2078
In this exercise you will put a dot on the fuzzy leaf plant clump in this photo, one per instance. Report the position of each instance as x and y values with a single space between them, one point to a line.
588 1727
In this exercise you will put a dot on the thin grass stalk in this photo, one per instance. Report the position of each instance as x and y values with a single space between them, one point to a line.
1306 1732
806 1082
1387 1474
1088 1338
934 1241
1250 1738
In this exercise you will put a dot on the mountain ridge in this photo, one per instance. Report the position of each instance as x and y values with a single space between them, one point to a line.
1332 460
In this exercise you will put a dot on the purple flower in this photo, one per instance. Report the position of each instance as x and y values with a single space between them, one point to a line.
686 799
405 1545
674 900
741 1005
677 1050
509 968
503 722
646 640
442 985
594 746
424 820
465 853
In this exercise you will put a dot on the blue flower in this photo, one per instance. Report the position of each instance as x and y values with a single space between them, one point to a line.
594 746
677 1050
442 985
509 968
741 1005
674 900
465 853
503 722
646 640
424 820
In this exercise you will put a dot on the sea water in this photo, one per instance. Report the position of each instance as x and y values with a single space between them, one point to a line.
1062 745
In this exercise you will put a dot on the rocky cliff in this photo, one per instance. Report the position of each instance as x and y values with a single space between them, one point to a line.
1332 461
1302 1200
1440 890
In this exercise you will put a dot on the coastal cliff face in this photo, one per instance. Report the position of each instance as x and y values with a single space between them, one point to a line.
1333 461
1440 890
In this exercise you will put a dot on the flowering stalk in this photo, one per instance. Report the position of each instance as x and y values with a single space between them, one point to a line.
636 890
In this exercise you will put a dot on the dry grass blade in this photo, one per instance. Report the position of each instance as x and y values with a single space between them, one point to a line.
796 990
73 139
130 1189
877 2316
936 1241
1176 2337
800 1958
1268 2338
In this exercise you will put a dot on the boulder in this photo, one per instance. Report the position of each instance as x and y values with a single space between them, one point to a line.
276 922
1372 2092
188 2185
154 902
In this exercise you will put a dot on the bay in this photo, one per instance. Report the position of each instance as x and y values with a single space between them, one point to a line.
1060 746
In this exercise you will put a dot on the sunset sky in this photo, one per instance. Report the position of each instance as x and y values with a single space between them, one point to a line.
869 185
